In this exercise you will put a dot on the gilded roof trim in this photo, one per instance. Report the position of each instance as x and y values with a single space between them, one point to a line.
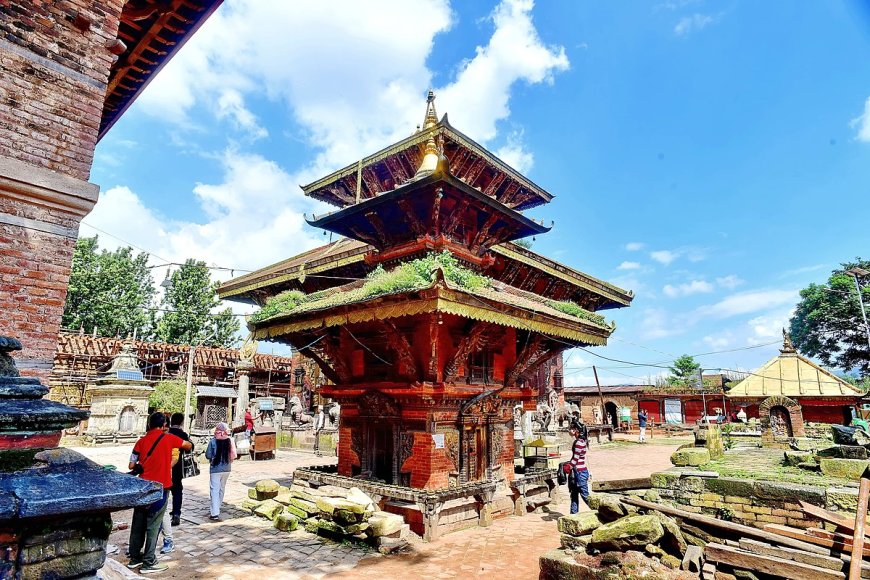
421 137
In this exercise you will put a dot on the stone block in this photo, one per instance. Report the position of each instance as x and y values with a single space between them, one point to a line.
843 468
579 524
671 562
611 508
330 528
306 493
332 491
266 489
561 565
250 504
577 543
794 458
385 523
283 489
252 493
788 492
662 480
292 509
330 504
311 525
309 507
346 517
673 539
632 532
731 486
693 456
268 509
652 495
355 495
286 522
355 529
843 499
283 498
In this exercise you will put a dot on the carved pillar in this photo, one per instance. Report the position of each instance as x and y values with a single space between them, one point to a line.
243 371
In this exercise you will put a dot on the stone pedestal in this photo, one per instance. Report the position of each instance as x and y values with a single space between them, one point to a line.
55 504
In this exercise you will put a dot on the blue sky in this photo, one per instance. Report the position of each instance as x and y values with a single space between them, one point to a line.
714 157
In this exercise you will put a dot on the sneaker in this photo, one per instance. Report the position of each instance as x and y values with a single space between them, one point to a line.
168 546
155 569
176 520
133 564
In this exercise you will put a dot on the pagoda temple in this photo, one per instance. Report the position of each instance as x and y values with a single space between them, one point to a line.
429 323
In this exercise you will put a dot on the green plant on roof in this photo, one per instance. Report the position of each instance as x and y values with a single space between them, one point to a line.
409 276
573 309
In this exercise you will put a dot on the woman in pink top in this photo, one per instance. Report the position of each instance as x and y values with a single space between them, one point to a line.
578 486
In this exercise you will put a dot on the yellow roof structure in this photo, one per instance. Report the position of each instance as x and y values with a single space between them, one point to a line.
791 375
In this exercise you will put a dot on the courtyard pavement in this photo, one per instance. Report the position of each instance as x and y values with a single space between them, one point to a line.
242 546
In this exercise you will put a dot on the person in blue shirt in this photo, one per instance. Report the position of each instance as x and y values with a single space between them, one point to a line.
641 422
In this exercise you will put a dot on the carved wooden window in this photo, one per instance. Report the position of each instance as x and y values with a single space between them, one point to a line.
480 366
127 420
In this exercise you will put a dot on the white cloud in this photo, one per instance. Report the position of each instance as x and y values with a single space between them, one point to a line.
657 323
353 78
863 123
251 219
664 256
687 289
694 23
719 341
731 281
628 266
634 246
749 302
514 154
768 327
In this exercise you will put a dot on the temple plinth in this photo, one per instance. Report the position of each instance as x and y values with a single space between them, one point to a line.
444 324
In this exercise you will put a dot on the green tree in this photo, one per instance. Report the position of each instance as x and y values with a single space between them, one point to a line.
188 303
827 322
109 291
684 371
168 396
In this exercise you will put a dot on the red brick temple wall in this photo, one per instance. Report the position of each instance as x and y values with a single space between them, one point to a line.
53 79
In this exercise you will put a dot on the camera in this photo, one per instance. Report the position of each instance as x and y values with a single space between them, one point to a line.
137 470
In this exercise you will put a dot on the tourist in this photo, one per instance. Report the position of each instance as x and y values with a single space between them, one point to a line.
577 464
641 423
249 423
153 456
221 452
176 425
319 423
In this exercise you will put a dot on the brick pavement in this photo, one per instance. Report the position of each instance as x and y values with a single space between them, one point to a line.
241 546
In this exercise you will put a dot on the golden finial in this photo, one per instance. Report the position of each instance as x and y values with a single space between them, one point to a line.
787 346
431 118
430 159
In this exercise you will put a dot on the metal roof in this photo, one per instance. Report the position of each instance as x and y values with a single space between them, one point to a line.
210 391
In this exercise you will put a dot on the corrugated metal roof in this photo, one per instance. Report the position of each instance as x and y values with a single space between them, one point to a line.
210 391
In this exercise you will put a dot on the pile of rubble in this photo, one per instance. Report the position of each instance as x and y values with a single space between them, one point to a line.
329 511
612 540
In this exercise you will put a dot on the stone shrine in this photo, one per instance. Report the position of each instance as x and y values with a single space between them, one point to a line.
119 401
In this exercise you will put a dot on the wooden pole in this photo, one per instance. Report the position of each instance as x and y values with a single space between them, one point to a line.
600 394
860 519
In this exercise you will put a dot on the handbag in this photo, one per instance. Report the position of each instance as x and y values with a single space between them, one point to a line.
189 466
138 468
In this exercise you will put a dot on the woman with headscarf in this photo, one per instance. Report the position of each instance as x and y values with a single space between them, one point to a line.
221 452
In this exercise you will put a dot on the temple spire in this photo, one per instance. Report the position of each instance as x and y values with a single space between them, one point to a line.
787 346
431 118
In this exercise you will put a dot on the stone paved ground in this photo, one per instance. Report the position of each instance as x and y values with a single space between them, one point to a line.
241 546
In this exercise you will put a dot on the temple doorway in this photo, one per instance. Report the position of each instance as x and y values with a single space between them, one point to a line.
780 422
612 413
381 450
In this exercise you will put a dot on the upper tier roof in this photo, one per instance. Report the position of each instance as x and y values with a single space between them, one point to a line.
152 32
395 165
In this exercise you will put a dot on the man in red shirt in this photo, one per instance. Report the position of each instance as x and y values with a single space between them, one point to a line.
153 453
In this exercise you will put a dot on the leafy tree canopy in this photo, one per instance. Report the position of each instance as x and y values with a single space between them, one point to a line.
827 322
684 371
109 291
168 396
189 302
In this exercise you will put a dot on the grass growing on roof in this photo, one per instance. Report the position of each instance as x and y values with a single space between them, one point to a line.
576 311
409 276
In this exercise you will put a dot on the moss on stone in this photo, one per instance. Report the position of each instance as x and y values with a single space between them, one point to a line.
632 532
843 468
286 522
693 456
579 524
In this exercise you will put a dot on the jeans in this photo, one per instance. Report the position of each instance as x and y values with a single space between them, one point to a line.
144 529
166 525
217 485
580 489
177 493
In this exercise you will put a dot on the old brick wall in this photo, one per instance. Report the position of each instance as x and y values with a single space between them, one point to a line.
53 79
